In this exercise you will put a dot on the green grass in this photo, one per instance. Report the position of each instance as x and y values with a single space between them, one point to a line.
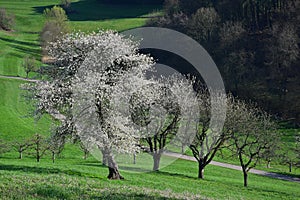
16 124
76 178
73 178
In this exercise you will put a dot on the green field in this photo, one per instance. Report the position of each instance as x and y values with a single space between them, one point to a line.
16 122
86 179
71 177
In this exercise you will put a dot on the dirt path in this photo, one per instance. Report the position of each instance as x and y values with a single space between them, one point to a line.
18 78
235 167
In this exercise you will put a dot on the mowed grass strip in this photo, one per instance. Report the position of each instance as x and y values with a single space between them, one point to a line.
15 120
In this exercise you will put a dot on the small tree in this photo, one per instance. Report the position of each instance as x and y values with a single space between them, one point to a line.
20 147
6 20
55 26
291 153
252 135
203 24
66 4
39 146
208 140
55 145
29 65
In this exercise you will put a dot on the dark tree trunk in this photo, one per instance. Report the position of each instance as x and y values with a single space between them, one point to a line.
290 167
134 158
156 160
104 157
245 177
53 157
113 168
200 170
114 174
85 155
20 154
269 164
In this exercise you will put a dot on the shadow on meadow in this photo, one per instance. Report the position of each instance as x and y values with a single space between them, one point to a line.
89 10
29 48
18 42
42 170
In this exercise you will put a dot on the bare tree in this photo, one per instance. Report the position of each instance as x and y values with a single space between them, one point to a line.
22 146
253 134
208 140
39 146
291 153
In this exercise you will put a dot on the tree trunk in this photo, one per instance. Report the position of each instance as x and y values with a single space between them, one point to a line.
113 168
245 177
156 160
104 157
200 170
85 155
269 164
20 154
53 157
134 158
290 167
182 149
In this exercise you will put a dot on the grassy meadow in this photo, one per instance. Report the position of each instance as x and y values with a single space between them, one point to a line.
72 177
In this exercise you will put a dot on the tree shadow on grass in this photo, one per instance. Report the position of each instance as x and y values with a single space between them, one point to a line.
175 175
90 10
41 170
27 50
18 42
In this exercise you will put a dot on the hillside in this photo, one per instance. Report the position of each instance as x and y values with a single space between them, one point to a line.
71 176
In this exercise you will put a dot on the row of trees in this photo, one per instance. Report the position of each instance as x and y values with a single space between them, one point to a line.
97 89
255 45
36 146
39 146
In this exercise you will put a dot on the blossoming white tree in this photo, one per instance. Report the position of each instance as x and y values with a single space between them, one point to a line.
77 88
97 88
164 111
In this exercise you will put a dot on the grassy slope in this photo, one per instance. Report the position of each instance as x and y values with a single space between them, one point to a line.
15 122
76 178
71 178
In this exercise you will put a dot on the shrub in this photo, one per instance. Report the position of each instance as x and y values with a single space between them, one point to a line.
29 65
65 4
6 20
55 26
